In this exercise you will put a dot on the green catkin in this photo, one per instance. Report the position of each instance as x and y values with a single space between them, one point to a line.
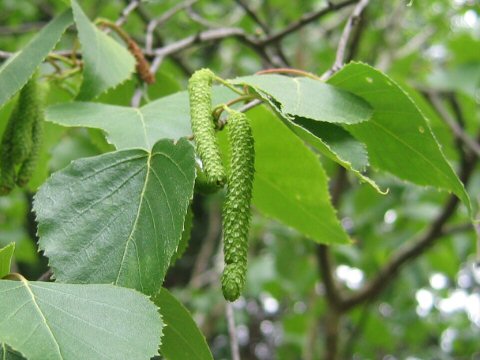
30 163
28 108
200 89
7 165
236 210
202 185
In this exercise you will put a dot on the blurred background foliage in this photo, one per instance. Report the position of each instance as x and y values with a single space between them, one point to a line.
430 311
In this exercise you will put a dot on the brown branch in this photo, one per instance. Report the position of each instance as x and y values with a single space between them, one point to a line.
344 39
46 276
282 59
332 292
454 125
332 329
214 35
127 11
208 246
413 249
202 37
305 20
235 352
326 267
253 15
199 19
145 16
167 15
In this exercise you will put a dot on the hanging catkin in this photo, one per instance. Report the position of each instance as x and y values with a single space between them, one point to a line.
236 210
200 89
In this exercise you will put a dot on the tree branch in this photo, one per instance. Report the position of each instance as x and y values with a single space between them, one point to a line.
413 249
208 246
145 16
305 20
232 332
452 124
332 292
127 11
332 328
343 43
153 24
253 15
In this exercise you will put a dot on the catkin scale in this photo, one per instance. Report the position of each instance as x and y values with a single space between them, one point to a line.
236 209
203 128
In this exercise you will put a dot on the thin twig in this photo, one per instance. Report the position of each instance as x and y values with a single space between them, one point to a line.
127 11
145 16
232 332
208 246
46 276
452 124
356 333
413 249
153 24
332 329
199 19
305 20
343 43
253 15
202 37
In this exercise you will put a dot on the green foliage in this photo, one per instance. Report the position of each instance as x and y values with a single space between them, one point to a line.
98 51
6 254
426 163
309 98
186 235
298 197
181 337
7 353
65 328
236 210
123 211
126 127
16 72
308 106
112 207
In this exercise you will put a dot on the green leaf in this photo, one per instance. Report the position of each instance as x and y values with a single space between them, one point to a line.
182 340
15 73
186 235
62 321
308 98
126 127
335 143
6 254
118 217
7 353
290 183
398 138
332 141
107 63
